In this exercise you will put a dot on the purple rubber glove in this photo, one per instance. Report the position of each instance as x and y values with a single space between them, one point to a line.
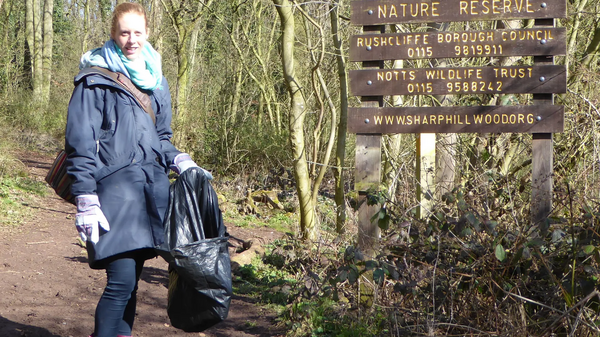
183 161
89 216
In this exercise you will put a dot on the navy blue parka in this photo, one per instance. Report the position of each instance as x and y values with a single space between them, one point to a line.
115 151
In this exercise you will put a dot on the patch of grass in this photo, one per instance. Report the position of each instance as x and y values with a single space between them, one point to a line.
16 188
15 194
274 219
271 285
323 317
28 185
326 210
242 221
282 222
21 114
250 324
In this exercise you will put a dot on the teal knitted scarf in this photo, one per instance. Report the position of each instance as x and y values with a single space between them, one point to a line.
146 75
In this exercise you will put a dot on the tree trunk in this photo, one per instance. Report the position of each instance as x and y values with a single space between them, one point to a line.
86 27
575 30
47 50
590 56
155 31
37 51
183 72
185 23
29 36
237 94
33 32
298 112
591 52
191 50
340 156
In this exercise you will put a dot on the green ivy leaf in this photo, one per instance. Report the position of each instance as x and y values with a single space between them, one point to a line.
358 255
466 232
394 274
462 205
384 224
448 198
589 249
375 216
472 219
371 200
490 225
518 255
384 219
370 265
353 275
535 242
378 276
349 253
500 253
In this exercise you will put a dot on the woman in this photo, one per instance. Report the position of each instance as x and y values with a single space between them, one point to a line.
119 159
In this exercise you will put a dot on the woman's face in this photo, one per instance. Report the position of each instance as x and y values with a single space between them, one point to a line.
131 35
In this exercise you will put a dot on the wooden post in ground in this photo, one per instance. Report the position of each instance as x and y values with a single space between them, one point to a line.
368 177
425 172
368 165
542 161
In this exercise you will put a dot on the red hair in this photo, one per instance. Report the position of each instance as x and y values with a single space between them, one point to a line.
126 8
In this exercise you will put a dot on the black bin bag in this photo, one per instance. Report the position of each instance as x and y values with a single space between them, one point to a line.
196 248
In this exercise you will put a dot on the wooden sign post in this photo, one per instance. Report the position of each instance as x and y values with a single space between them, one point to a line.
542 79
543 159
368 163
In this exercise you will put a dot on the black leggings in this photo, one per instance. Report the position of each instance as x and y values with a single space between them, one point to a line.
115 312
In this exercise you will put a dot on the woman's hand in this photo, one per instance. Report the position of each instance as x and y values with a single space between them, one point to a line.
183 161
89 217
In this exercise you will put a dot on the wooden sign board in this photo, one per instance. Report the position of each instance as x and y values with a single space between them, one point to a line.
458 81
381 12
459 119
515 42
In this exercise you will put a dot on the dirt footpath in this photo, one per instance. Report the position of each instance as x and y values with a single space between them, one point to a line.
48 290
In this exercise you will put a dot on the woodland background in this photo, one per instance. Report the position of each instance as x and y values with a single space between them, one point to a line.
260 98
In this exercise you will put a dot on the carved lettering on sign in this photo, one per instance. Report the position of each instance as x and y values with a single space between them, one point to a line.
511 42
521 35
518 118
404 10
440 81
381 12
477 7
454 119
398 40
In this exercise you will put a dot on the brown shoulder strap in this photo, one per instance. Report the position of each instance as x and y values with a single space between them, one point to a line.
142 98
